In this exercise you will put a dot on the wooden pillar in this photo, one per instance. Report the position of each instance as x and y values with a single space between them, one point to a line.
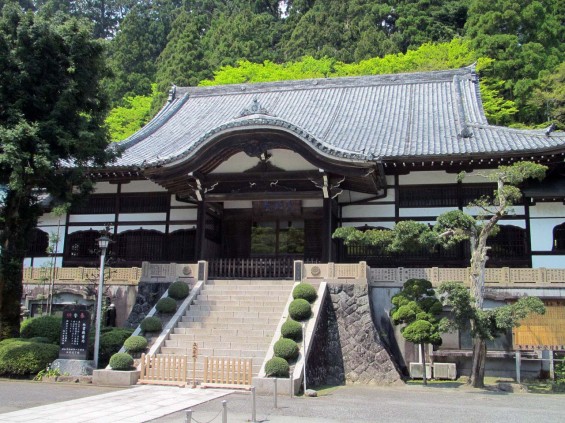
200 230
327 231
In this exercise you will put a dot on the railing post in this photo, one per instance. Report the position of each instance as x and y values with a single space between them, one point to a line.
225 411
202 271
298 266
253 406
275 391
188 418
518 366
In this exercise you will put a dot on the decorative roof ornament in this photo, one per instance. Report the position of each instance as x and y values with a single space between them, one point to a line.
172 93
254 108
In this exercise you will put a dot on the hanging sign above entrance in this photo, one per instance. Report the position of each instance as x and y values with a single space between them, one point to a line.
278 208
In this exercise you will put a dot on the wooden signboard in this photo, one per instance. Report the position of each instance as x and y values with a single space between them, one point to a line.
542 332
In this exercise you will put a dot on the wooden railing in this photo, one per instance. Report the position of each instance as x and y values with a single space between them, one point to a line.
228 371
256 267
163 369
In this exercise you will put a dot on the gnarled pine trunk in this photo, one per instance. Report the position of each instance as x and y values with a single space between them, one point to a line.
479 360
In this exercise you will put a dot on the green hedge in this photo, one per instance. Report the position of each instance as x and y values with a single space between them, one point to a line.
21 357
300 309
178 290
291 329
305 291
151 324
166 305
45 326
135 344
277 367
121 361
286 348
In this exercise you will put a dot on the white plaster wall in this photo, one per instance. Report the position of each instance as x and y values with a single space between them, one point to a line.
518 222
73 229
318 202
177 227
81 218
351 196
136 217
475 211
389 179
284 159
105 188
428 211
427 178
541 233
237 205
389 225
368 210
50 219
184 214
142 186
123 228
547 210
550 262
43 262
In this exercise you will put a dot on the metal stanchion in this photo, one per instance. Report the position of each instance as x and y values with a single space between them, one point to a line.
291 385
253 406
225 411
275 391
518 366
188 418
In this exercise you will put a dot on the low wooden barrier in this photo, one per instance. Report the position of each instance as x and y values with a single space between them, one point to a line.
164 369
229 372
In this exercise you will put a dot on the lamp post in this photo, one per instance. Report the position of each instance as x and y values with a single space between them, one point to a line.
103 242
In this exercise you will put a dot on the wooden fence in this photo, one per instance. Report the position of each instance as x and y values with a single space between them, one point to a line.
164 369
228 371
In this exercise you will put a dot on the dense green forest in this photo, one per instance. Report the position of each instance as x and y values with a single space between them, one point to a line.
151 44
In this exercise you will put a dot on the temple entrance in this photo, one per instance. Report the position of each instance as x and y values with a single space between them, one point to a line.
261 239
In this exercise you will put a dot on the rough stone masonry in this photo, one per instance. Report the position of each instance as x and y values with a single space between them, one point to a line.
347 347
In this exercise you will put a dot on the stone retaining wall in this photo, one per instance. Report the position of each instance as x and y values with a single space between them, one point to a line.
347 347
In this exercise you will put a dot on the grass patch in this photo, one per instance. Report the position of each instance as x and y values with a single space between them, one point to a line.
326 389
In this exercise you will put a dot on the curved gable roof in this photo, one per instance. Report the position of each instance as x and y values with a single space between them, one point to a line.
367 118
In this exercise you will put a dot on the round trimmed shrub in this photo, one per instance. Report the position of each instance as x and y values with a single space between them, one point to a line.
151 324
40 340
178 290
121 361
166 305
135 344
110 343
277 367
286 348
305 291
300 309
45 326
22 357
291 329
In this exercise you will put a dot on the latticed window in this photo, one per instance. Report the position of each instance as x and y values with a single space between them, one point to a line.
559 237
82 245
144 203
453 195
181 245
140 245
38 243
510 242
96 204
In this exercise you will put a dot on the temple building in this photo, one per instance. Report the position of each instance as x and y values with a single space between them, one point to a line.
262 174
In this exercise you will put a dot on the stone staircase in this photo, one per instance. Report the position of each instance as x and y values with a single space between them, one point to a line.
230 318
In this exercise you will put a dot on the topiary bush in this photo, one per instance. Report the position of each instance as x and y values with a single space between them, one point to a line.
178 290
286 348
121 361
111 342
305 291
151 324
45 326
22 357
300 309
166 305
135 344
291 329
277 367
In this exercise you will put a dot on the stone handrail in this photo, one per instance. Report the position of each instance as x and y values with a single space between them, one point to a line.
80 275
495 277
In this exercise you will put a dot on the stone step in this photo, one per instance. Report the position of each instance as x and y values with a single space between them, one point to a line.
240 302
276 282
217 345
217 352
188 327
246 288
216 319
219 296
234 314
225 332
228 338
215 307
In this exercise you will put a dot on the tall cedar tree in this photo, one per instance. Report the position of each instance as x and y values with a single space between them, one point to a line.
51 114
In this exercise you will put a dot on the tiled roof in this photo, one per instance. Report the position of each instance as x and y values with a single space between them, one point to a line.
402 116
